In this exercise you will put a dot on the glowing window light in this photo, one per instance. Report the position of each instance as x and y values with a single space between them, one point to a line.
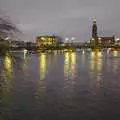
42 38
99 40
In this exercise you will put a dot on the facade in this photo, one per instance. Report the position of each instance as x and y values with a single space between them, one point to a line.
30 44
47 41
94 29
97 40
15 44
106 41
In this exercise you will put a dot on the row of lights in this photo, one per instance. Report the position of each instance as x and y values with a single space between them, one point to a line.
116 39
70 39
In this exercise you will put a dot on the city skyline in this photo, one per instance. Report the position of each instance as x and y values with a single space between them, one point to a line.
65 18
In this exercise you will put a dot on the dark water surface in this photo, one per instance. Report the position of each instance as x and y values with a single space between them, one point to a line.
69 86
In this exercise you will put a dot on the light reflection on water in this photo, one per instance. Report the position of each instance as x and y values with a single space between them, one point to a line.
83 89
42 65
96 61
69 68
115 53
96 66
6 79
7 71
70 64
42 62
25 66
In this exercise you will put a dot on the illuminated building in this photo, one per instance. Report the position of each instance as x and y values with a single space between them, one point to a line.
117 41
47 41
106 41
97 40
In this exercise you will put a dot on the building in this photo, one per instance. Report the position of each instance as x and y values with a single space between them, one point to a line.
15 43
30 44
42 41
100 40
106 40
4 45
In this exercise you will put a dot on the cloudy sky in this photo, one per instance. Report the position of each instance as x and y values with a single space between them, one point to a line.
63 17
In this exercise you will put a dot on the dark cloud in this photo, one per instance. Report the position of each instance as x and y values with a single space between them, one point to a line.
64 17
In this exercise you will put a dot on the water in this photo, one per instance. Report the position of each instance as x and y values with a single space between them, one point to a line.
69 86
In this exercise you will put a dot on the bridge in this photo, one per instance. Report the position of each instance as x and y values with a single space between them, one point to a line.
68 46
85 46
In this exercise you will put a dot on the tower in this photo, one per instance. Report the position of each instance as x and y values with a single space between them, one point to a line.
94 33
94 29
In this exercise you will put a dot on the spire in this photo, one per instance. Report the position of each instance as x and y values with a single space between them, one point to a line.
94 28
94 20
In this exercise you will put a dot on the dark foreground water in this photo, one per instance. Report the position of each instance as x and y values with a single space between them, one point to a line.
70 86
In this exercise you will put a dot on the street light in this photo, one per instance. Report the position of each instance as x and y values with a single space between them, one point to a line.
66 39
117 39
99 40
73 38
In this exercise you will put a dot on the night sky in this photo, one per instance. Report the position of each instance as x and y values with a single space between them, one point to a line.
66 18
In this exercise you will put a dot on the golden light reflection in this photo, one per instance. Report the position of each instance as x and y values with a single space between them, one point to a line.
96 54
96 64
7 76
43 65
73 64
42 69
115 65
7 63
25 62
66 64
115 53
73 58
96 61
25 65
25 53
70 64
42 73
115 62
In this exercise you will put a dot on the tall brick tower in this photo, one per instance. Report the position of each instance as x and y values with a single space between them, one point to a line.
94 31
